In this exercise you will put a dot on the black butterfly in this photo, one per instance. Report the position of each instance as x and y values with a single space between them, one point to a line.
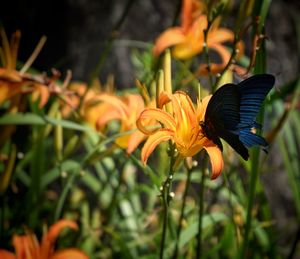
232 110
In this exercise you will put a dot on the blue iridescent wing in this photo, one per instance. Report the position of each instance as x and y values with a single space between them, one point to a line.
253 91
232 110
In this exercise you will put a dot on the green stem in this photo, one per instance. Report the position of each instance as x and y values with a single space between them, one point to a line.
164 232
201 209
261 9
231 59
251 195
179 228
63 195
230 204
166 198
206 51
37 169
113 203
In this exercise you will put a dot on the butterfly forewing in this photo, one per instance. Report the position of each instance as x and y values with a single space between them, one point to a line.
224 104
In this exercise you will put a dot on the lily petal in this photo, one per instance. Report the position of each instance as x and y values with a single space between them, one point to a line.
69 254
10 75
216 159
26 246
114 101
170 37
41 92
186 14
104 115
134 140
214 67
151 143
163 99
183 107
56 228
159 115
219 36
6 254
202 106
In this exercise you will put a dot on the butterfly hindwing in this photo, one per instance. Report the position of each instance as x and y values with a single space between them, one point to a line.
232 110
253 91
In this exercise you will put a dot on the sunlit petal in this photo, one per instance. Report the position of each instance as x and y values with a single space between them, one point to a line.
219 36
135 102
186 14
159 115
115 101
201 107
151 143
189 151
216 159
105 114
135 139
163 99
187 49
182 103
170 37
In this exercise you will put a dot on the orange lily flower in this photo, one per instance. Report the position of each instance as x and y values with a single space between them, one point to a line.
28 247
13 82
183 128
126 109
71 101
187 39
79 91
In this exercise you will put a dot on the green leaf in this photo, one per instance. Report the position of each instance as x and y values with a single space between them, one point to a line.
192 230
34 119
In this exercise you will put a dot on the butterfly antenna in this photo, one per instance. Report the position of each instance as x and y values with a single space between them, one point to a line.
266 150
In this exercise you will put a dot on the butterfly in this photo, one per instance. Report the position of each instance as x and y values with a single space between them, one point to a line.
231 113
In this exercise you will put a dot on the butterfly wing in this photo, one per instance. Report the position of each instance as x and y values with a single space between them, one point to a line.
232 110
222 118
253 91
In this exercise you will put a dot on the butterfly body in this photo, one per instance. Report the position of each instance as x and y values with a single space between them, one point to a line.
232 110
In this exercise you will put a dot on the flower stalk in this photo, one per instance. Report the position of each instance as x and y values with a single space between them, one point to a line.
179 228
201 209
166 197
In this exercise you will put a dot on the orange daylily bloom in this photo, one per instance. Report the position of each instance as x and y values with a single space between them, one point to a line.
187 39
12 81
104 108
28 247
183 128
80 92
77 91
